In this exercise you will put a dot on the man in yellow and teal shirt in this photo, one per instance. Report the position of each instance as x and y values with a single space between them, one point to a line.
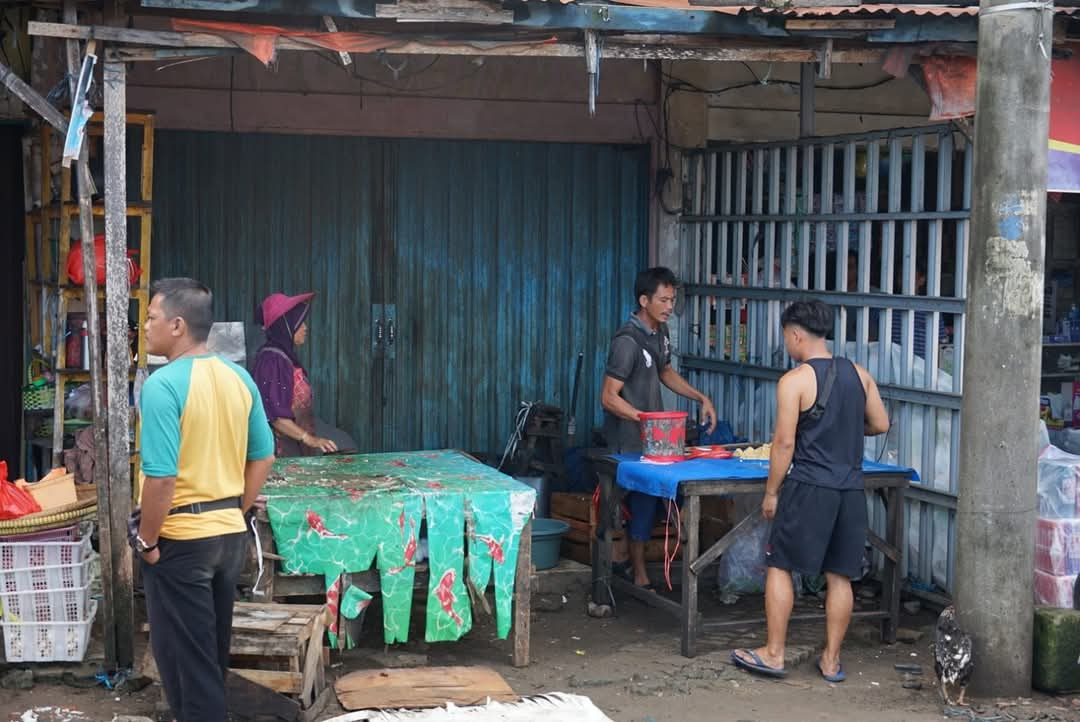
206 450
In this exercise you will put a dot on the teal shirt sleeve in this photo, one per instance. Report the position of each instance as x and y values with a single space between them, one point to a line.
260 436
160 406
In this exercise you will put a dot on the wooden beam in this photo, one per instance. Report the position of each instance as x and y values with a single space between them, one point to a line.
117 298
445 11
86 235
806 100
31 97
645 47
840 23
331 26
522 632
825 61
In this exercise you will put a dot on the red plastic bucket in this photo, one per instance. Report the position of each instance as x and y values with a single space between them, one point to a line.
663 435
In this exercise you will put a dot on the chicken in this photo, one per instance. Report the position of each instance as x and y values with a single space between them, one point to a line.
952 655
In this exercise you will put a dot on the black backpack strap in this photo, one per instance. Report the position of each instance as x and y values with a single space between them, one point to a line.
818 409
641 339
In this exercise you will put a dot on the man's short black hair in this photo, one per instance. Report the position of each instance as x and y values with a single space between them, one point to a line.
649 280
188 299
813 315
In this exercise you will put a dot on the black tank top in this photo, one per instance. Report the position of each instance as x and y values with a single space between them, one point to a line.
829 449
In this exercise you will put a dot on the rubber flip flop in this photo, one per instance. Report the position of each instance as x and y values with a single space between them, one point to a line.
757 666
834 678
650 587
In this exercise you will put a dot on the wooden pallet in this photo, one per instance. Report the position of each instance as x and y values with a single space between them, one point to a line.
578 511
277 665
280 646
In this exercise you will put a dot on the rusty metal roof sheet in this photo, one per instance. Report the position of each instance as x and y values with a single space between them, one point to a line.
820 11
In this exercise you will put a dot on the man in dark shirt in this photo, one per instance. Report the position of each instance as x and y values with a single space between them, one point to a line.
825 407
638 362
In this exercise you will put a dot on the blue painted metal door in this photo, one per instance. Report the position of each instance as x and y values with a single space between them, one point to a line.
456 279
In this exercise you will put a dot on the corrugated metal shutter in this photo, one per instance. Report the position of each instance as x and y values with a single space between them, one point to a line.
500 261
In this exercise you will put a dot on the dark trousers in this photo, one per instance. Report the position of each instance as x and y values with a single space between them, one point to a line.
189 602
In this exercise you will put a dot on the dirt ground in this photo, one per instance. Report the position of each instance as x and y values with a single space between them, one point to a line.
630 666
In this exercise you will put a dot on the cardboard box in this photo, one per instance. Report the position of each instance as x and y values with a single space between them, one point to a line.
55 492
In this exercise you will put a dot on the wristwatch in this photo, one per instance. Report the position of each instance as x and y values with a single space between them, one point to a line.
142 547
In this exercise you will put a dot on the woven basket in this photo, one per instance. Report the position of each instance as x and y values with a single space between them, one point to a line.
61 516
39 398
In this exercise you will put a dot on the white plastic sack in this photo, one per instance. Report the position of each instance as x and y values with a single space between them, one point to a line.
1059 472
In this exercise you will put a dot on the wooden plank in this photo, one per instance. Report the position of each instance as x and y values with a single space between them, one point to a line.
612 50
293 609
721 546
118 357
31 97
523 598
280 681
711 625
840 23
331 26
572 506
652 599
882 546
312 663
259 621
265 645
689 612
421 687
109 556
443 11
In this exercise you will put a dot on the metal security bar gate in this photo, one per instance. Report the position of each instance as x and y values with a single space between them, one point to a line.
876 225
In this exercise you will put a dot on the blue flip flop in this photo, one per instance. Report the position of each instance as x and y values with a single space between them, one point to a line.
758 666
834 678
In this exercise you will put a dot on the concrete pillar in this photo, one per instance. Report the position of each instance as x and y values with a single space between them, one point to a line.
997 497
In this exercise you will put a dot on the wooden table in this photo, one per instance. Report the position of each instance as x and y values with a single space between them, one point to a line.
889 485
351 475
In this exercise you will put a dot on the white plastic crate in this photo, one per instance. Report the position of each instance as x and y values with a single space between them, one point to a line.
41 579
48 641
52 605
21 555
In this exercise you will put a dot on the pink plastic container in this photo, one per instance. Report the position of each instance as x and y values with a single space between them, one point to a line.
663 435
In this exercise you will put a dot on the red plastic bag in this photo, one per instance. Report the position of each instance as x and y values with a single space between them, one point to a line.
14 502
75 263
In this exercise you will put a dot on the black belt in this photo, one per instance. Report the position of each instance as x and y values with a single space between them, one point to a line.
233 502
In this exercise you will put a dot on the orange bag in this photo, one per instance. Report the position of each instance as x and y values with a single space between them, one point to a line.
14 502
75 263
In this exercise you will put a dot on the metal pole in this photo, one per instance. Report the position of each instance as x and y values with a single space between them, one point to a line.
997 492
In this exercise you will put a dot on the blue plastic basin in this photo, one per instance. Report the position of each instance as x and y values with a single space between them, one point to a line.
546 539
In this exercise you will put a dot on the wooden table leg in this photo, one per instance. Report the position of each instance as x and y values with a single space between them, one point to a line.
601 556
523 597
692 518
891 580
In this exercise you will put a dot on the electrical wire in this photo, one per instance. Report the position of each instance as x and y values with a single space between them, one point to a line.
685 86
518 433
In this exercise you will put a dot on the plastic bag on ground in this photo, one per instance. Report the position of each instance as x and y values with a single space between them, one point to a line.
742 569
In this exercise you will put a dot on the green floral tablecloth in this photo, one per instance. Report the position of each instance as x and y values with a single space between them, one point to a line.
338 514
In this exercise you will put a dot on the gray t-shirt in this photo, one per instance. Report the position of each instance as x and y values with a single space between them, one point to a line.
636 357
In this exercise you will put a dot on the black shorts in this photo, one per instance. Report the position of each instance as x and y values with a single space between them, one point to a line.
818 529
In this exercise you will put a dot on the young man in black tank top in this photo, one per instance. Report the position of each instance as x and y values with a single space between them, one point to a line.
825 408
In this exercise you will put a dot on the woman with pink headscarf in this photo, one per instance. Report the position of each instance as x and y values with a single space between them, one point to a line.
282 379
